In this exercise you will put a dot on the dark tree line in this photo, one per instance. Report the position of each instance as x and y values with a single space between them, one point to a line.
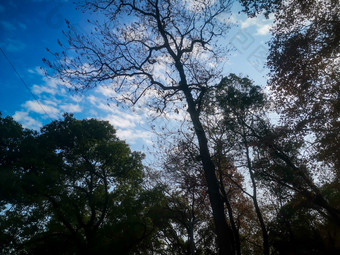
74 188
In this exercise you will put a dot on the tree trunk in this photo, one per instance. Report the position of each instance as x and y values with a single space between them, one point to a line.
224 234
233 226
315 194
265 237
236 233
191 237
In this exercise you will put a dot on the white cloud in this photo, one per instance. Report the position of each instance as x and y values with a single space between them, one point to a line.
227 18
179 114
77 98
54 82
41 108
120 122
249 22
37 90
263 30
123 118
36 70
197 6
27 121
106 91
54 102
12 45
96 101
92 99
51 85
261 24
71 108
131 136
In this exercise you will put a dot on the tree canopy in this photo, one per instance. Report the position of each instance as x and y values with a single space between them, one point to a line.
74 188
165 52
304 63
166 55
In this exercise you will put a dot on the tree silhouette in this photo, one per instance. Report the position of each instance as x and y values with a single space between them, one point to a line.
164 51
78 189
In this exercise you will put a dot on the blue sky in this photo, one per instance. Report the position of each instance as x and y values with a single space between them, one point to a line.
28 27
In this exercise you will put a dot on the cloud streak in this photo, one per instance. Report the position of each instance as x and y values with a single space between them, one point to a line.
38 107
26 120
12 45
7 26
261 24
54 100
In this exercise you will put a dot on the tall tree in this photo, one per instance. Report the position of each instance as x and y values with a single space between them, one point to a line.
78 191
184 171
164 50
304 62
297 229
188 181
280 160
243 104
304 81
238 104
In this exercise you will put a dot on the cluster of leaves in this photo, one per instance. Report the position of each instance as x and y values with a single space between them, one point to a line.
74 188
304 63
245 144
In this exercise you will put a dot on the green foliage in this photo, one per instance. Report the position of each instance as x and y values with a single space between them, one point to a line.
255 7
304 77
74 188
298 229
276 158
236 93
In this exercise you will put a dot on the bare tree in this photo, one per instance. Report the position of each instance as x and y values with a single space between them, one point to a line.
164 51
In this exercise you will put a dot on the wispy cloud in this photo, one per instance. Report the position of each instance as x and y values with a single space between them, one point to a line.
71 108
36 89
260 23
131 136
263 30
249 22
120 122
12 45
77 98
41 108
197 6
7 26
27 121
130 124
50 85
22 25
